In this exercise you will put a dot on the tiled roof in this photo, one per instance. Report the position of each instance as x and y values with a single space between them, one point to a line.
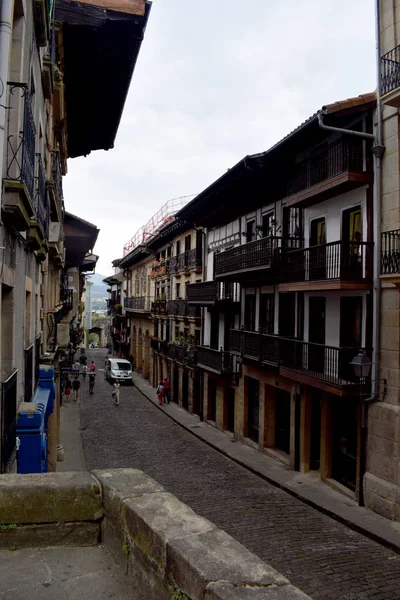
350 103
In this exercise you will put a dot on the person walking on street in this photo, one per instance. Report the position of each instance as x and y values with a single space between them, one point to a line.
91 382
68 386
166 389
92 367
76 384
160 392
115 393
84 371
76 367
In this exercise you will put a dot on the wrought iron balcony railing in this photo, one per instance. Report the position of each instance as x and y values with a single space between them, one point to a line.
218 361
185 355
186 260
261 255
56 175
318 361
142 303
180 308
159 307
41 201
344 261
210 292
390 258
8 422
161 269
21 139
337 158
390 71
67 298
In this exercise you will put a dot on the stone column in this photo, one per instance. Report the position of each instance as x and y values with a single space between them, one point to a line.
326 437
305 429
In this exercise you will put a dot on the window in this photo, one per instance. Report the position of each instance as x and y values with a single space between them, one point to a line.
177 290
251 230
178 248
268 225
250 312
188 242
267 302
169 249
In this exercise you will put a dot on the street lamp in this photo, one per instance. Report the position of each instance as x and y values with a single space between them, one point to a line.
362 366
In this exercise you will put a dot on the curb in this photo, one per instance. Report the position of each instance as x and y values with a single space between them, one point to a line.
326 511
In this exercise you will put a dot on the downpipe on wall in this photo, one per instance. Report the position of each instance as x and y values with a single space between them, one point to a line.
6 15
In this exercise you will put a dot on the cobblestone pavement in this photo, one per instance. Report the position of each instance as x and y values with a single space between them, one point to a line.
319 555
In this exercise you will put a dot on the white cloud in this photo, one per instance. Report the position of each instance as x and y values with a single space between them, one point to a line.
216 81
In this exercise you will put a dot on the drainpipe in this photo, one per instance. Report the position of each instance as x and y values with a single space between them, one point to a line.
378 151
6 15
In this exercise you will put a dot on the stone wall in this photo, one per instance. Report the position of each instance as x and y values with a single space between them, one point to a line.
158 541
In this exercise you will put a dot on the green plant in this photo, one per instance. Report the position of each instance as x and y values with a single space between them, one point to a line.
6 526
177 594
13 548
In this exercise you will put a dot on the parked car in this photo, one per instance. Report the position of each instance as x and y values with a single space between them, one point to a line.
118 368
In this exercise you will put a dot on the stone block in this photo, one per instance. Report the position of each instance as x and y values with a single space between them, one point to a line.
391 318
382 506
385 429
380 487
114 539
49 497
390 338
382 466
51 534
119 484
154 519
196 560
381 445
390 183
390 299
389 358
221 590
146 579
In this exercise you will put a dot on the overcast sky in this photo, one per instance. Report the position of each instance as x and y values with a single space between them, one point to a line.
215 81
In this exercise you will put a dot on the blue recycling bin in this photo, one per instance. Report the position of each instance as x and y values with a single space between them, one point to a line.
32 426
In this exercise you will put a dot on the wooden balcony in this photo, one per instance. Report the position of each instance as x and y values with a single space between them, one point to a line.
138 303
322 366
336 169
209 293
390 77
337 265
186 261
217 361
259 259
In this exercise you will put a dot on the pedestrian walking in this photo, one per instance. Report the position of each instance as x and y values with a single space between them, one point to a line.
160 392
92 367
115 393
76 367
84 371
68 386
76 384
166 389
91 382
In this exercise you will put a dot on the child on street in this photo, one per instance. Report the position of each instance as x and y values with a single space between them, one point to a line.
160 392
68 386
115 393
76 384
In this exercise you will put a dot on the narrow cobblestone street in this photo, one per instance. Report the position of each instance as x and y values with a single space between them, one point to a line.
319 555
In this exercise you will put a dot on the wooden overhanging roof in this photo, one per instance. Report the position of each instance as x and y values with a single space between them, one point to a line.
258 178
102 40
80 238
134 257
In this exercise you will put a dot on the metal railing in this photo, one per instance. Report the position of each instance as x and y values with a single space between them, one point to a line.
161 269
186 260
28 374
56 175
209 292
143 303
327 363
67 298
21 139
41 201
8 422
180 308
337 158
159 307
219 361
390 252
390 71
186 355
259 254
347 261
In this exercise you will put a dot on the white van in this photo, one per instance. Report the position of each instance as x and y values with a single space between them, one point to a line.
118 368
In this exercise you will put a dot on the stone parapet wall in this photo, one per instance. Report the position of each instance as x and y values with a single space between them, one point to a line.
157 540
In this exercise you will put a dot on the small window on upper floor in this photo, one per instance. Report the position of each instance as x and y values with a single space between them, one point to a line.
188 242
250 230
178 248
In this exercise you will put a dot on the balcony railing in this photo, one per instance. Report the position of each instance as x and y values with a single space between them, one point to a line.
326 363
41 200
67 298
8 422
186 260
159 307
263 254
161 269
186 355
390 71
218 361
345 261
337 158
210 292
143 303
56 175
390 258
258 346
180 308
21 140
